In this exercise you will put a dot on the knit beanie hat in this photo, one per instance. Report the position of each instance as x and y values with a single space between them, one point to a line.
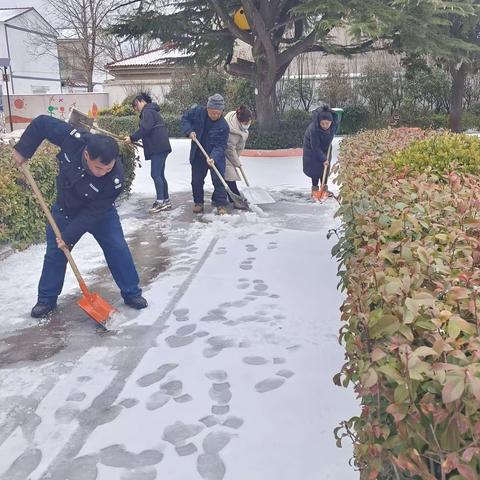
216 102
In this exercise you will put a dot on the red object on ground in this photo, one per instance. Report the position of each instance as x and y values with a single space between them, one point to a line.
283 152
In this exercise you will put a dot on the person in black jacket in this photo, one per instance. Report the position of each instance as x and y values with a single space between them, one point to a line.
156 146
316 143
90 178
211 129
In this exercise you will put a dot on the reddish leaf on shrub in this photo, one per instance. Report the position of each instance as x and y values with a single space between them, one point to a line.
469 453
453 389
467 472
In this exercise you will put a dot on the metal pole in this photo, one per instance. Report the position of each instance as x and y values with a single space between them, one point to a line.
8 98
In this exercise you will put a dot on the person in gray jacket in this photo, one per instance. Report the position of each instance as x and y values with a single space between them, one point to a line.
239 122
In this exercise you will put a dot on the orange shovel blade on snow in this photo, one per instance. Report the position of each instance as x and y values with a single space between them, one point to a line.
95 306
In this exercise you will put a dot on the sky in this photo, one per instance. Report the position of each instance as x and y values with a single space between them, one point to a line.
38 4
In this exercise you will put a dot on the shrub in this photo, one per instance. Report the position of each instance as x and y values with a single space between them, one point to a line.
409 255
126 125
240 91
290 133
381 85
194 87
118 110
284 138
22 221
355 118
299 118
441 155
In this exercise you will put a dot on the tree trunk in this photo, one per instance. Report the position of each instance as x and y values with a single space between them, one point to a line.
456 97
266 101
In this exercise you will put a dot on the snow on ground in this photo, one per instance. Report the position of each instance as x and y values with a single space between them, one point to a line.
227 374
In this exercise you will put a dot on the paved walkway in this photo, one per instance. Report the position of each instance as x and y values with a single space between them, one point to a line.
227 374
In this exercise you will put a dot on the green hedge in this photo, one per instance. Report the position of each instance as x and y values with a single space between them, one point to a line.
409 256
22 222
441 155
126 125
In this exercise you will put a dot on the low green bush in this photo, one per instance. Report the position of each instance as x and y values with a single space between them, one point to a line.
441 155
118 110
409 263
355 118
22 221
126 125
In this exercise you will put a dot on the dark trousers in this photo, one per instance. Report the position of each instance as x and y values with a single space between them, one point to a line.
316 180
109 235
233 187
158 175
199 172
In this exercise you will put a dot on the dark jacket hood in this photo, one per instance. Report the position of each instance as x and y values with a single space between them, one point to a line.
315 118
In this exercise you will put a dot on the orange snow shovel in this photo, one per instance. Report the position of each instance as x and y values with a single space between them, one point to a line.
92 303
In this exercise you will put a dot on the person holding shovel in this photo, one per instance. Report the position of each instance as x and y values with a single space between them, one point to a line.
156 146
316 145
239 122
90 179
207 125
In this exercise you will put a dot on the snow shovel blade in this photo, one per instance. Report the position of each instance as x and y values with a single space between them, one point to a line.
80 120
96 307
239 201
257 195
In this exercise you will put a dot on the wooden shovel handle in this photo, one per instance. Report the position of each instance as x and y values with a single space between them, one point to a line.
213 166
325 167
26 172
243 175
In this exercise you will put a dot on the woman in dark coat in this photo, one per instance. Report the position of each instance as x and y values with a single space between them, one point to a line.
316 143
156 146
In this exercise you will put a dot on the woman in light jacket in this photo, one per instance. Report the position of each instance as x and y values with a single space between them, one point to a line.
238 121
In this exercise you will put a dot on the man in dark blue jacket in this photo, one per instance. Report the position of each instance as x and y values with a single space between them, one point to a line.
211 129
90 178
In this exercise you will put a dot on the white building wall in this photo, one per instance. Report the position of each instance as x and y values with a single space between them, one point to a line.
118 90
31 72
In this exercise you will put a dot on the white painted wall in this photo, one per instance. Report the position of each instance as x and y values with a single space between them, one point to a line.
31 72
117 90
27 107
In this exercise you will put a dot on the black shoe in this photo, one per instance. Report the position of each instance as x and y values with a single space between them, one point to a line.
42 309
137 302
160 205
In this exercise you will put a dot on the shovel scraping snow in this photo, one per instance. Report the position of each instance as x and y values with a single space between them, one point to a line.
238 200
255 195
